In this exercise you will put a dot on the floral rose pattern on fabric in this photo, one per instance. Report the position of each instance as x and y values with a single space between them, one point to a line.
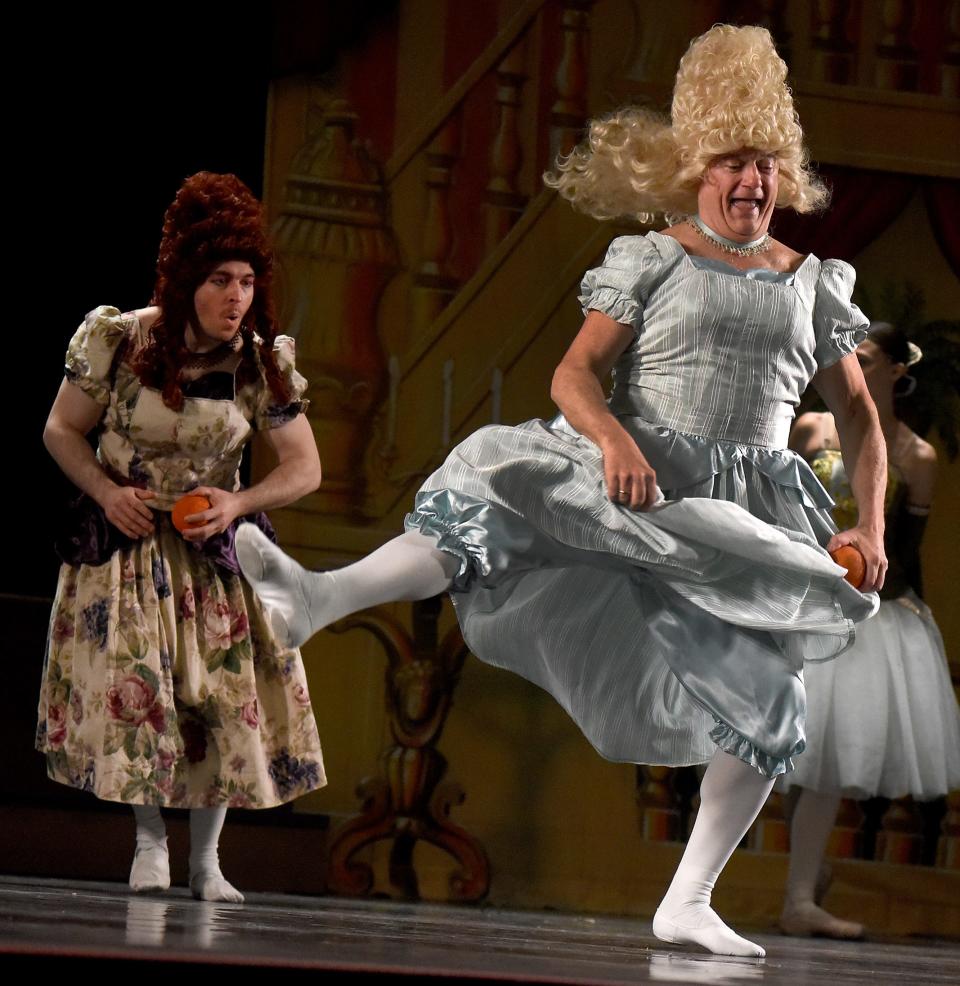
163 682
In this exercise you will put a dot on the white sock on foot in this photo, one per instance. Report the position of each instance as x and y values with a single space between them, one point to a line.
206 880
300 602
150 869
731 796
685 916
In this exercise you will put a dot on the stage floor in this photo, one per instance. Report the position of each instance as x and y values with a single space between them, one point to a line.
50 922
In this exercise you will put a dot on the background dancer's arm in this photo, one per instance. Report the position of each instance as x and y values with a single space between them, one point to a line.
296 474
74 414
919 467
577 390
864 458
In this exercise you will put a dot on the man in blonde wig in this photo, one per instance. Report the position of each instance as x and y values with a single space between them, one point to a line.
656 559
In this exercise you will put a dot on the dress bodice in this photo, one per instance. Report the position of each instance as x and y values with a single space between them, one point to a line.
155 447
718 352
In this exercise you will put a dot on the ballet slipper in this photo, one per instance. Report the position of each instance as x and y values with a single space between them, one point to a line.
212 885
150 870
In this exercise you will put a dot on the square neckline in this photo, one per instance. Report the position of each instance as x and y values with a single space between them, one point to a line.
736 271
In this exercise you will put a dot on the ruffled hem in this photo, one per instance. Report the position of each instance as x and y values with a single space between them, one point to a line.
730 741
470 556
81 775
720 592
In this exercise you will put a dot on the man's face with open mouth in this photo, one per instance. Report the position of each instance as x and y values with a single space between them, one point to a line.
738 193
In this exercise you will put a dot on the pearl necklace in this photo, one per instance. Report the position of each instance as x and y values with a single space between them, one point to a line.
750 249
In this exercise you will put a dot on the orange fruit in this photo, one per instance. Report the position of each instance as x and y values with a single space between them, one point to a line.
849 557
192 503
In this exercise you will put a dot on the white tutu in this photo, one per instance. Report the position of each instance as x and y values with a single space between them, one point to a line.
883 719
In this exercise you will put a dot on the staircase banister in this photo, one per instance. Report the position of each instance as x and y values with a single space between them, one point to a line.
490 57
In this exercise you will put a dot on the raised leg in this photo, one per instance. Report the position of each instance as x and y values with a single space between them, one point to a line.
301 602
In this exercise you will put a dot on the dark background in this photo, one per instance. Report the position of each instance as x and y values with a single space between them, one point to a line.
106 121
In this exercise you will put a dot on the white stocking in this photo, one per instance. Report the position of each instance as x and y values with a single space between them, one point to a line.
206 880
731 796
151 864
810 828
301 602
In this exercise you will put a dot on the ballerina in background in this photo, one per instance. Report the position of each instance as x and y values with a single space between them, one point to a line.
884 719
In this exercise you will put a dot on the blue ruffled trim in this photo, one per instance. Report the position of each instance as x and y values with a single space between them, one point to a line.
617 305
471 558
732 742
839 324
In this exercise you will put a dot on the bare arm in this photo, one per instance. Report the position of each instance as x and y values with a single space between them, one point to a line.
73 415
865 460
296 474
920 470
578 392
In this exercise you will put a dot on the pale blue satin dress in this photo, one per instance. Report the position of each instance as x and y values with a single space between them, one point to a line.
668 632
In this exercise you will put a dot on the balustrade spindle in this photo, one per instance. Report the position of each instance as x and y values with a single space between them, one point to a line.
568 113
897 59
846 839
950 67
948 846
659 808
434 286
503 200
832 53
900 839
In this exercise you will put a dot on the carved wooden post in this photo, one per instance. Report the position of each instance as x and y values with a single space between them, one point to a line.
434 286
772 18
337 254
408 802
568 113
846 839
833 54
897 58
770 832
948 846
900 839
950 68
504 202
659 810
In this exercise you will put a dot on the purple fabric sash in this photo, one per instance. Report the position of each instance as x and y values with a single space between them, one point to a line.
85 537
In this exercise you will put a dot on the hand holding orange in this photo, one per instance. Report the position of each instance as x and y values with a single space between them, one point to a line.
192 503
847 556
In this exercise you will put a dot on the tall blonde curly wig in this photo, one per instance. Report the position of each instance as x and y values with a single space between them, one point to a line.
730 93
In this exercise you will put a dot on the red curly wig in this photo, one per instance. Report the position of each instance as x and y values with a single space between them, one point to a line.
213 219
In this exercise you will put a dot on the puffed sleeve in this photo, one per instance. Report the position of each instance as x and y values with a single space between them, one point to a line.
632 268
93 350
838 324
270 414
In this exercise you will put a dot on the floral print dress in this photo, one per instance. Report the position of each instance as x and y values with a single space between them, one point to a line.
163 682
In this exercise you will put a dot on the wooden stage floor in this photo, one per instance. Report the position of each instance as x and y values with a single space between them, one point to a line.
54 925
